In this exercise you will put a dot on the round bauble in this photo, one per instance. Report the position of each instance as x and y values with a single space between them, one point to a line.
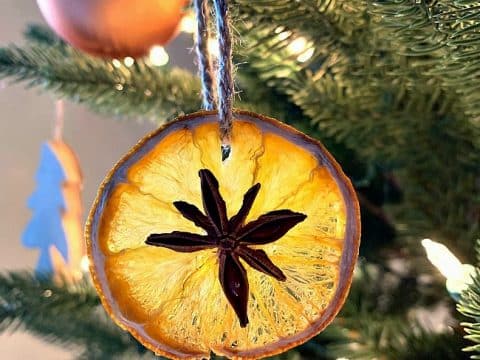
114 28
246 256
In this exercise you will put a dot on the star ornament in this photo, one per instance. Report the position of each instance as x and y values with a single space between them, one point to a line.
231 237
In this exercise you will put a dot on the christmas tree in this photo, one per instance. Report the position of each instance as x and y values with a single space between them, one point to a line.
45 229
390 87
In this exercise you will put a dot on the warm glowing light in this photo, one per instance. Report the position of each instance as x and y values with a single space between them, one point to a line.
128 61
442 258
284 35
307 55
85 263
117 63
188 24
298 46
458 275
213 47
158 56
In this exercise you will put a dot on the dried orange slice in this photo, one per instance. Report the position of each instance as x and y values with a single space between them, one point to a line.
246 257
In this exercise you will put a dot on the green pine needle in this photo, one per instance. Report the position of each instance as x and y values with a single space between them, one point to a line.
139 92
470 307
67 315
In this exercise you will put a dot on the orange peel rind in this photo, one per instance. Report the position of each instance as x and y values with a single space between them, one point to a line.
173 302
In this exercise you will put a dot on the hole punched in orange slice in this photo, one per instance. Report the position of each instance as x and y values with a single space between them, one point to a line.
272 295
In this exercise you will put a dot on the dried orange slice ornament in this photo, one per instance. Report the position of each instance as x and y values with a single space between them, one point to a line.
245 257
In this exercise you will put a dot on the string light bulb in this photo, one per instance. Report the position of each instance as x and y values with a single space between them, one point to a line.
306 55
458 275
128 61
188 24
158 56
283 35
298 46
117 63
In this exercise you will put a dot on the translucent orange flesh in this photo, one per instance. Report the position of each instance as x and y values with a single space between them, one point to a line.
173 301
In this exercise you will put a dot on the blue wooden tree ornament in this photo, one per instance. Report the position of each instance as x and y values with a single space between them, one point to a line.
47 203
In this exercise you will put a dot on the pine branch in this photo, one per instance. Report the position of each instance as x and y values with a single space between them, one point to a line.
21 291
470 307
42 35
442 34
377 322
324 19
70 316
139 91
394 338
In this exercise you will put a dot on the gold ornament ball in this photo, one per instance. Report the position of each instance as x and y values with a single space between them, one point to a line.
114 28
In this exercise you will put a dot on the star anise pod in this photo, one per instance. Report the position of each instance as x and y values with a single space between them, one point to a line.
231 237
